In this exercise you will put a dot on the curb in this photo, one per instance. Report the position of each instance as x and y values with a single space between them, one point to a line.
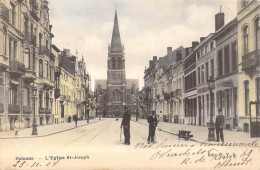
53 132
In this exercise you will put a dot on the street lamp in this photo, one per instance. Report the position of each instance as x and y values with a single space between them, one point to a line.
211 134
34 131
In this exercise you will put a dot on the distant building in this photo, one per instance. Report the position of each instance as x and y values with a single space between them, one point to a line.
117 91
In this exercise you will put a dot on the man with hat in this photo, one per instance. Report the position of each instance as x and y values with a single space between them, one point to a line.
152 120
126 125
219 125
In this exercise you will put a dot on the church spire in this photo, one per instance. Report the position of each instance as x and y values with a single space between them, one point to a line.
116 41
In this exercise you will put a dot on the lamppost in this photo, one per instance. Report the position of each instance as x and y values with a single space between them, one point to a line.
34 130
211 134
88 111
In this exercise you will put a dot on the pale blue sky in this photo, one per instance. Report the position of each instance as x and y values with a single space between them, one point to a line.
147 28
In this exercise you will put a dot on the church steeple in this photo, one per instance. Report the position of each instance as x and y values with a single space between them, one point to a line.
116 41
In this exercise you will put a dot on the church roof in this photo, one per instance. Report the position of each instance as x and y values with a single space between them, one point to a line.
116 41
130 82
102 82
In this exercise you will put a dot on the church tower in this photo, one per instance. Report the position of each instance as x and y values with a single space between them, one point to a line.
116 81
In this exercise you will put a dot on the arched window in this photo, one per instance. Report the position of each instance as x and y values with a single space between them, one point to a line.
113 63
119 63
40 68
245 39
116 95
257 33
27 58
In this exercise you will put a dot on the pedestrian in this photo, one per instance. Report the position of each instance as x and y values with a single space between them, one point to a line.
219 125
137 115
16 127
69 118
126 125
76 120
152 120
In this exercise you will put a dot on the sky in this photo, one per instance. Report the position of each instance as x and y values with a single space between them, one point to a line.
147 28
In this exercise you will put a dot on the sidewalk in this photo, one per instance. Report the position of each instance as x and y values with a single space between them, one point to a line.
200 134
45 130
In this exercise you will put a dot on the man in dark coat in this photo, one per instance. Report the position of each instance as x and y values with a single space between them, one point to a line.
219 125
137 115
152 120
126 125
76 120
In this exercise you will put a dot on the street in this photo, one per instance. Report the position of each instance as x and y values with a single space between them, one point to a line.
98 145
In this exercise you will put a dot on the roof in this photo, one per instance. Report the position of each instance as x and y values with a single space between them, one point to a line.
116 41
102 82
130 82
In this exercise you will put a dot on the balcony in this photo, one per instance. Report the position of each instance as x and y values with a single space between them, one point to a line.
46 82
250 61
13 108
1 108
4 12
178 92
48 110
52 56
166 96
30 37
42 110
27 110
57 71
57 93
16 68
44 50
29 76
34 9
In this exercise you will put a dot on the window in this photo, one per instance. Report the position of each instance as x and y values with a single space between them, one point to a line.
47 100
46 69
27 58
211 45
245 38
246 86
50 71
26 97
207 71
202 74
220 63
227 59
40 68
40 99
12 14
4 40
219 99
33 58
206 49
258 95
13 95
207 98
2 78
15 50
199 75
257 32
244 3
234 56
212 67
202 52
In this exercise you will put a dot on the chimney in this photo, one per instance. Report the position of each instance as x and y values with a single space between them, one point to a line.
150 63
219 20
154 58
202 38
169 49
194 44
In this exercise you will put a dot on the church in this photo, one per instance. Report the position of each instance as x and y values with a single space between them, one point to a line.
116 92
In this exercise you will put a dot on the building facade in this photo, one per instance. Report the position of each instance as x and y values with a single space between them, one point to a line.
248 60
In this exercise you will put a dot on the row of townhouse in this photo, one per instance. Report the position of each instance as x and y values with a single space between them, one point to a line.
29 65
230 57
